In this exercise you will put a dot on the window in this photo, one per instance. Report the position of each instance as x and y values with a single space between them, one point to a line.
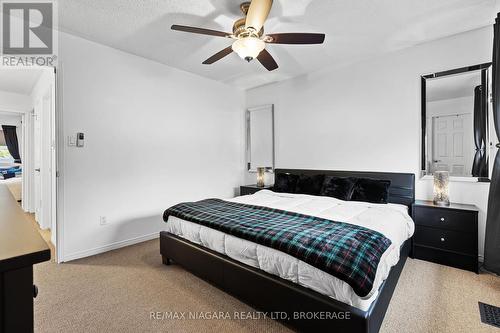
4 152
5 155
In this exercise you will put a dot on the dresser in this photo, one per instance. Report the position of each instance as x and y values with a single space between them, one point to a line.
251 189
21 247
446 235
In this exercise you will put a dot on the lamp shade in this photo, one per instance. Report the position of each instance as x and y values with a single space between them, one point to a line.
261 171
441 188
248 48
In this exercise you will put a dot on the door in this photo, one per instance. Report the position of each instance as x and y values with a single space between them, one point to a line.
37 160
452 144
46 161
44 154
53 162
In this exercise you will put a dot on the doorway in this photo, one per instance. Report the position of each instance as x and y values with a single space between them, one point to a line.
29 94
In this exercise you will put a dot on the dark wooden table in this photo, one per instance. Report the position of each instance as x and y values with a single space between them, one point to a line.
446 235
21 246
251 189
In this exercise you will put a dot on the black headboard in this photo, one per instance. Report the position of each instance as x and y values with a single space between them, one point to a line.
401 191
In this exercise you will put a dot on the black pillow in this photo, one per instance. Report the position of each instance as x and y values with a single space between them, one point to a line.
338 187
285 183
371 190
310 184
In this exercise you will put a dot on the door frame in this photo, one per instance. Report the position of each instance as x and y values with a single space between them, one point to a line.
59 156
37 150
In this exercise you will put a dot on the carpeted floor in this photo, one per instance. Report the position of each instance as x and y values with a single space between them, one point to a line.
118 290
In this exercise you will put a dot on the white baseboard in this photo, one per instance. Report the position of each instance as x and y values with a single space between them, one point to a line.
109 247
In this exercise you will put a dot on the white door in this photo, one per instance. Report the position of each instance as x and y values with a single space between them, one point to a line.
37 154
53 164
452 144
46 162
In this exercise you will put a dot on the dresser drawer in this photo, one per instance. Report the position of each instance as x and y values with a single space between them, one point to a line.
446 239
446 219
443 257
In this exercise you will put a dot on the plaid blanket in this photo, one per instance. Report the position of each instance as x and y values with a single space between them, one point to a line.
348 252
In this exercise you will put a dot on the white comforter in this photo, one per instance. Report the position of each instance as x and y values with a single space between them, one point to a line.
391 220
15 186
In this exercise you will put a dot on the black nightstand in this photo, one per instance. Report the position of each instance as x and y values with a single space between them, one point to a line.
446 234
251 189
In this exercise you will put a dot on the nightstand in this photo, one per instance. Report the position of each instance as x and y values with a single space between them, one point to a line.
251 189
446 234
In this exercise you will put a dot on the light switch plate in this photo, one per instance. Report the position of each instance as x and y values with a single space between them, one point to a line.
71 140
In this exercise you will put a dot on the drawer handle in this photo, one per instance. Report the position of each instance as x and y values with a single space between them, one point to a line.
35 291
442 239
442 219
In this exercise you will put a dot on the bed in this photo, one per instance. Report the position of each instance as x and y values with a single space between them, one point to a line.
301 295
15 186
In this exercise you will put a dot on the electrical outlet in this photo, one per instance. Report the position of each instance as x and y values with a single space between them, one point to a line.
103 220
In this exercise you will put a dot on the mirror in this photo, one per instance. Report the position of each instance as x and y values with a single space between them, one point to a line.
260 138
455 115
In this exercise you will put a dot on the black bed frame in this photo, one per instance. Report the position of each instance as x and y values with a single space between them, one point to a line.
287 301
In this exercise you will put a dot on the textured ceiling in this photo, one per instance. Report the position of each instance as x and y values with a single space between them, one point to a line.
18 80
355 29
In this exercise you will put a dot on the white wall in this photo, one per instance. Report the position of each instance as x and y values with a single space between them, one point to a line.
367 116
154 136
10 119
452 106
12 102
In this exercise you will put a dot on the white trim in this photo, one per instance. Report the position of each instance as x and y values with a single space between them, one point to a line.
24 183
58 92
110 247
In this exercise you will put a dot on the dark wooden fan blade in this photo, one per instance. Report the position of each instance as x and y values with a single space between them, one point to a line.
201 31
267 60
218 56
295 38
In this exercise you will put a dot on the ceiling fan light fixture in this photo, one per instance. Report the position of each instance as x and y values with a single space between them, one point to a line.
249 40
248 48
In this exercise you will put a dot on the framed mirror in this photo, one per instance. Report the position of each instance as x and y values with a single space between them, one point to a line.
260 138
455 122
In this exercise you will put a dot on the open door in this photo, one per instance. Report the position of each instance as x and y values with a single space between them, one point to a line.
37 163
51 98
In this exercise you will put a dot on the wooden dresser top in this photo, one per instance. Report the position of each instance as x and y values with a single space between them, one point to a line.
20 244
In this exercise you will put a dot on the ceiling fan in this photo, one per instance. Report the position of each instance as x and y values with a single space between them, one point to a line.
250 40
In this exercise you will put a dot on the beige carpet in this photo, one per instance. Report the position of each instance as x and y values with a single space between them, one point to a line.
117 291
